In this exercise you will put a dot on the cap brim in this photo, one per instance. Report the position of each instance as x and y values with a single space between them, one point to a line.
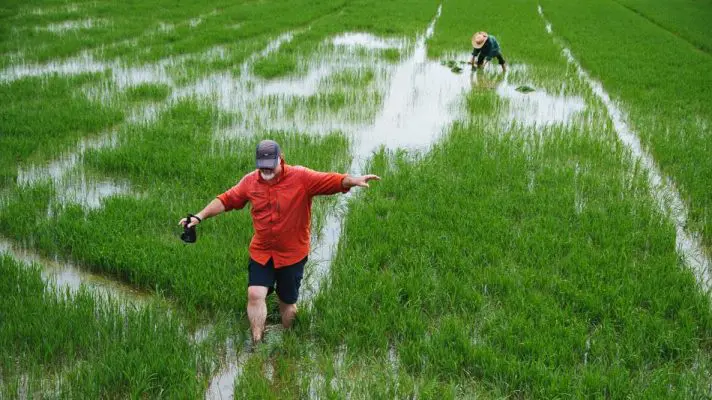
270 163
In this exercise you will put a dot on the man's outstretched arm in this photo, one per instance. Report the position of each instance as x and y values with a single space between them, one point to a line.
362 181
326 183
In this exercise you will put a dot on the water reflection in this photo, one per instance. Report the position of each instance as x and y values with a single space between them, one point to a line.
70 180
65 276
537 108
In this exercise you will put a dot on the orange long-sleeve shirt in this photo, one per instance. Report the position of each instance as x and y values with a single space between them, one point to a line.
281 210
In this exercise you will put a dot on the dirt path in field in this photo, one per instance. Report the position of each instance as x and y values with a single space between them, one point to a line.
663 190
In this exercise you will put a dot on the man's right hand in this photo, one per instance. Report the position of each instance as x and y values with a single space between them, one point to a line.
193 221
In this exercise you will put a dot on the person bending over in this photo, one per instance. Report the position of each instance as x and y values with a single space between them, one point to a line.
486 47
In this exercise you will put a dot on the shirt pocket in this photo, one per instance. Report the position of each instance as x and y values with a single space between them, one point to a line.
290 206
261 209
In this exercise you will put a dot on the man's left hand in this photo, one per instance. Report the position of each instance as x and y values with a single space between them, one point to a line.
362 181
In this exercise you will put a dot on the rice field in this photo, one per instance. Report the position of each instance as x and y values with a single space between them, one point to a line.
552 243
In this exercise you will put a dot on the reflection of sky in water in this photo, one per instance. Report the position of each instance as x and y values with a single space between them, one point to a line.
66 276
366 40
121 74
539 108
68 26
69 179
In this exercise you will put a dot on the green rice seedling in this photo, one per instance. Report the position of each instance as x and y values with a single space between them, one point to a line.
514 259
391 55
353 79
525 89
93 346
142 32
678 145
483 298
41 117
684 18
148 92
275 66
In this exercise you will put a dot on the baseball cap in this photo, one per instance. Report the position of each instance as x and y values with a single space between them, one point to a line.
268 152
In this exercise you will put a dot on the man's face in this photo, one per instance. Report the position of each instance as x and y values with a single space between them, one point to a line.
269 173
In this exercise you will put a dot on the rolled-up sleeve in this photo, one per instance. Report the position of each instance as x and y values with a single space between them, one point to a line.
235 198
323 183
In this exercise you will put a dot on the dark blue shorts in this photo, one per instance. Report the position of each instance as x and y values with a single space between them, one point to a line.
288 279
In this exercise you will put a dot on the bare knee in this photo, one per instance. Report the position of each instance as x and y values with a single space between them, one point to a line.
256 294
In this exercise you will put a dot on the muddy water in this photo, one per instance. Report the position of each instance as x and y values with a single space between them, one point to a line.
71 26
67 277
222 385
539 108
662 188
69 178
421 101
322 253
122 75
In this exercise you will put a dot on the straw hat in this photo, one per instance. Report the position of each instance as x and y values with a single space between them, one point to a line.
479 39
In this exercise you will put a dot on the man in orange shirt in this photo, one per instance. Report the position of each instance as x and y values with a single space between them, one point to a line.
281 197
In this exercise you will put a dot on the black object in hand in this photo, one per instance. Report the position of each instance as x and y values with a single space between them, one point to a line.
189 235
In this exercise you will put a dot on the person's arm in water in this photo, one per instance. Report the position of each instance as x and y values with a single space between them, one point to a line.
475 53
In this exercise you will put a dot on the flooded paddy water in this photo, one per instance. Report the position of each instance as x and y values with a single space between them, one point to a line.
69 179
380 93
66 277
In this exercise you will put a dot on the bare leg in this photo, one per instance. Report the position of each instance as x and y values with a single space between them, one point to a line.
288 313
257 310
